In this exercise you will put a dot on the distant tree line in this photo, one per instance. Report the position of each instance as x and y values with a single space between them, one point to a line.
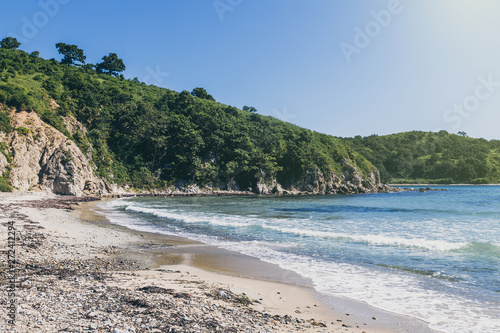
427 157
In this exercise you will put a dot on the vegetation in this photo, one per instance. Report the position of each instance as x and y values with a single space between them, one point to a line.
426 157
10 43
148 136
249 108
111 65
71 53
4 177
4 183
202 93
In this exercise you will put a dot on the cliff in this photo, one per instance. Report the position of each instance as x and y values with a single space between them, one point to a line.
44 158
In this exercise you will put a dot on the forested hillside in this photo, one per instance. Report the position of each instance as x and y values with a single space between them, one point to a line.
426 157
151 137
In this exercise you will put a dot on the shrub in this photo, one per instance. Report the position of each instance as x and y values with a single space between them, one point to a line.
5 122
5 186
23 131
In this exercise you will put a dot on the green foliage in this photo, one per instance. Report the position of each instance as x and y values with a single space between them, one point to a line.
249 108
4 178
71 54
202 93
23 131
10 43
425 157
111 65
14 96
4 149
146 136
5 185
5 122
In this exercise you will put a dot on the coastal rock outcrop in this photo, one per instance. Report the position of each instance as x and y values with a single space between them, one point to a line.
351 181
45 158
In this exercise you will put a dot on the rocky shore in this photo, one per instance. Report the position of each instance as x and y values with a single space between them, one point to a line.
72 276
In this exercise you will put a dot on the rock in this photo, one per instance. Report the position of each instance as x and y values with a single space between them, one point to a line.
262 188
3 163
46 158
277 189
193 189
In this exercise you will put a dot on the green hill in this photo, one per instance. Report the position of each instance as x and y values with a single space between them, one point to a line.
426 157
150 137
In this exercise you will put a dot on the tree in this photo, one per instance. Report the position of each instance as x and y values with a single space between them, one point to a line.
202 93
10 43
462 133
71 54
249 109
111 65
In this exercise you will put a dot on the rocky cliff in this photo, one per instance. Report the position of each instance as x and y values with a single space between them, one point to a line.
351 181
44 158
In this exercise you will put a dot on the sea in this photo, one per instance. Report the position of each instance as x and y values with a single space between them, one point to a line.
431 255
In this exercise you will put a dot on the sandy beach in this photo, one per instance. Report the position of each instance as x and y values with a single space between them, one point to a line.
74 272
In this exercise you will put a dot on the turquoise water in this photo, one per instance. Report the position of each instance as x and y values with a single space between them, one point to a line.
434 255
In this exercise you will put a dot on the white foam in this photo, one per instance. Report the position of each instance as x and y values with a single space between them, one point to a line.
398 293
433 245
243 222
198 218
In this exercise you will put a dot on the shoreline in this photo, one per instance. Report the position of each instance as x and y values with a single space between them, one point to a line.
281 301
223 262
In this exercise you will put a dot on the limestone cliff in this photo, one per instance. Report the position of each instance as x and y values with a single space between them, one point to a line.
43 157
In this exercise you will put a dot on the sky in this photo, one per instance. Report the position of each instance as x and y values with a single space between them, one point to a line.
340 67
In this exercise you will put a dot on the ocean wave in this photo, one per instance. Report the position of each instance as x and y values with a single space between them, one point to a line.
381 240
362 209
486 249
219 219
246 222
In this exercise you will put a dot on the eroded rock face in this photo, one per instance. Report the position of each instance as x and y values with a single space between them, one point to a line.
351 181
44 157
3 164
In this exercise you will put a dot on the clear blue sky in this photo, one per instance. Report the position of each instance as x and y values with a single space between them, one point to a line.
336 66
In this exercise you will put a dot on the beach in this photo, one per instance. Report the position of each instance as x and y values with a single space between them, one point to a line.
75 272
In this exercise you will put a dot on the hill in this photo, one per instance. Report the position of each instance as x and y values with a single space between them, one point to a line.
434 158
111 132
